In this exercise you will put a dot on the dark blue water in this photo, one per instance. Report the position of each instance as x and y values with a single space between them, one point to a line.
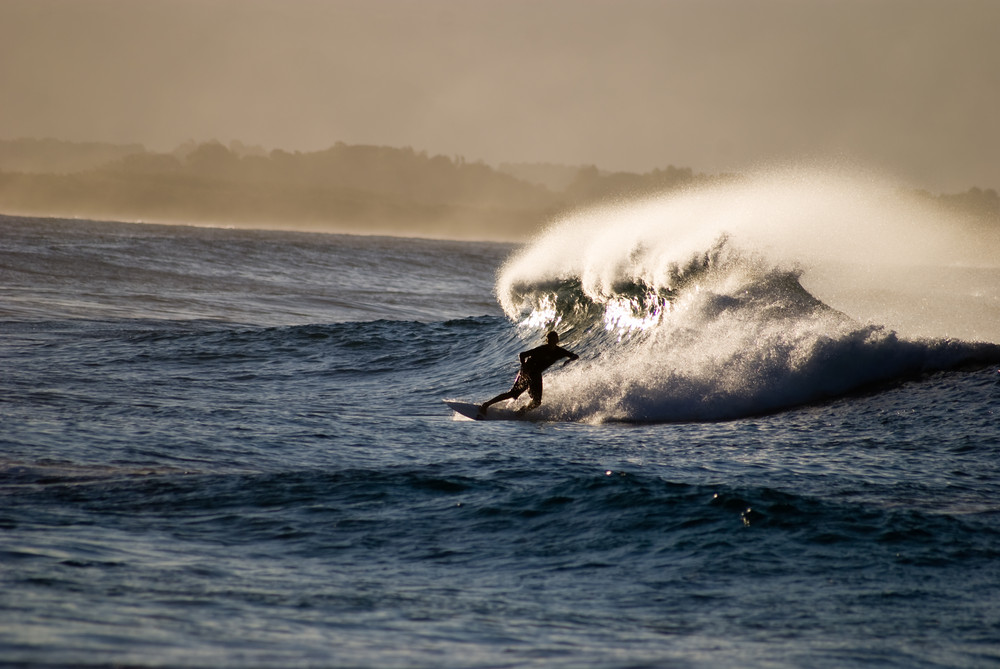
225 448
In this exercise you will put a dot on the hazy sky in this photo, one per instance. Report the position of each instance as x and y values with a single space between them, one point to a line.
910 85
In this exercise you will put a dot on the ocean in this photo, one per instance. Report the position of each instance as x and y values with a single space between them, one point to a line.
779 446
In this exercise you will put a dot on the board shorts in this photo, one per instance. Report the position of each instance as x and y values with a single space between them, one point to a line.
527 381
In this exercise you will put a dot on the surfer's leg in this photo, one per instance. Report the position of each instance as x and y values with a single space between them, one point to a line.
499 398
520 384
534 392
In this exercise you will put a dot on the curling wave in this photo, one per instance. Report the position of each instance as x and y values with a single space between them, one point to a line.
683 310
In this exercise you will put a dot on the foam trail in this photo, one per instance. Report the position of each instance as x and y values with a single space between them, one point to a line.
692 305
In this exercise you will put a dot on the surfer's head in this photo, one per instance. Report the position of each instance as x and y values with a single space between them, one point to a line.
553 337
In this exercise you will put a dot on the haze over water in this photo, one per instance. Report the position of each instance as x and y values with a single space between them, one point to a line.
909 86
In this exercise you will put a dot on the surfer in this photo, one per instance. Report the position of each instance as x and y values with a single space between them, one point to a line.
533 363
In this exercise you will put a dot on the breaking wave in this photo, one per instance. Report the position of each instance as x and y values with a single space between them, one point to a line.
692 307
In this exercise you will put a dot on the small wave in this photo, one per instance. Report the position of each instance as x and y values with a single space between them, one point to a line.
435 512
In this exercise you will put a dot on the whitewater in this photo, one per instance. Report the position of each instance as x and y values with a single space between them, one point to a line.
228 448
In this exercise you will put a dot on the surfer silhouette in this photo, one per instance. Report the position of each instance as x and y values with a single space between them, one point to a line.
533 363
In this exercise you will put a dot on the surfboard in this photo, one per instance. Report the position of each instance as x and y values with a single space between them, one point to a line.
467 410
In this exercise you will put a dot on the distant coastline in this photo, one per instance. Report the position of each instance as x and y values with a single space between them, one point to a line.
345 188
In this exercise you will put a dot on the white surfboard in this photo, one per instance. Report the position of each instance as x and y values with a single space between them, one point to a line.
471 412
